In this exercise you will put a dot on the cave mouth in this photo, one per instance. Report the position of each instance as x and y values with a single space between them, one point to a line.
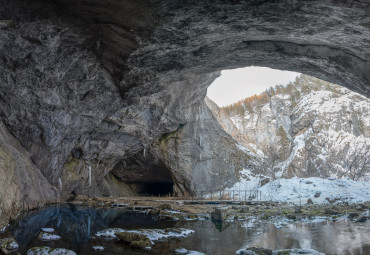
158 189
145 176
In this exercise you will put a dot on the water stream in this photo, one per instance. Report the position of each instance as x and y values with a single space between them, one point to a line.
77 226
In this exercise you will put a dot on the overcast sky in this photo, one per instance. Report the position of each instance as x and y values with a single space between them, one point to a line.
234 85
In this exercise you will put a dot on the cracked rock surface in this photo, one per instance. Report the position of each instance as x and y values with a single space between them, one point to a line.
87 85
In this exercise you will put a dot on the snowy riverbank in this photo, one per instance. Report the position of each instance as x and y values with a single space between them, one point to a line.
299 190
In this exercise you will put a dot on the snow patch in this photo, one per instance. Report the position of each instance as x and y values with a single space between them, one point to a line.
49 251
43 236
48 230
152 234
298 190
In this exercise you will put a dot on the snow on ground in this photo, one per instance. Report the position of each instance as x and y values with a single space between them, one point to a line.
152 234
49 251
299 190
98 248
185 251
44 236
48 230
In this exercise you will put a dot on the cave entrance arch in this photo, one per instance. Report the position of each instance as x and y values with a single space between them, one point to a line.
145 176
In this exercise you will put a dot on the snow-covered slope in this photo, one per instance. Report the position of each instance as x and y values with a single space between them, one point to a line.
298 190
309 128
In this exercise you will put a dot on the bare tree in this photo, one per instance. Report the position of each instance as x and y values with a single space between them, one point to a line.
358 165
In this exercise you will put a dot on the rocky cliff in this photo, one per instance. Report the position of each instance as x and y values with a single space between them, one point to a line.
86 87
308 128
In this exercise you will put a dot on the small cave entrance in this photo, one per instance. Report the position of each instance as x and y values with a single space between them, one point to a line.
153 189
145 176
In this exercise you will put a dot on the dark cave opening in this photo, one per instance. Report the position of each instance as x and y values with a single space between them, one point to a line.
153 189
145 176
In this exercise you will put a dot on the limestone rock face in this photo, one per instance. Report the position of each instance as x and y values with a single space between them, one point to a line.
22 184
87 85
202 156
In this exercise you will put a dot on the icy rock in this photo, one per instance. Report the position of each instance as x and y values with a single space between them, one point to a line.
254 251
265 181
8 245
152 234
135 240
98 248
195 253
361 218
44 236
298 210
296 252
220 213
48 230
331 211
49 251
317 194
181 251
353 215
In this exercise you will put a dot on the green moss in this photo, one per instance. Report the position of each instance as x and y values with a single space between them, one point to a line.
130 237
70 168
7 161
140 244
165 137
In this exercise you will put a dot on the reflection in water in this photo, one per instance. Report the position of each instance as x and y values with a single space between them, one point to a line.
77 226
342 237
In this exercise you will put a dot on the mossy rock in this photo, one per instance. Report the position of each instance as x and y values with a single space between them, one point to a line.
255 251
140 244
135 239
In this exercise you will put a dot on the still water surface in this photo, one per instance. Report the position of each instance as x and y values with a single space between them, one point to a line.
77 226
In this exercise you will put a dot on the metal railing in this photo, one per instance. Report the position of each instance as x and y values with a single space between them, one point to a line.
228 195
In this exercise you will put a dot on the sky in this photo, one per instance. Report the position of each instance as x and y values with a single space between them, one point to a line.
236 84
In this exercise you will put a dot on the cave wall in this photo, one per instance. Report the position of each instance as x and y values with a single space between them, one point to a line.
88 84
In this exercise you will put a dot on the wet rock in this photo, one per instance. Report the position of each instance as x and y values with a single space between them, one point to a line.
317 194
98 248
309 201
297 251
44 236
5 23
8 245
298 210
265 181
332 200
353 215
362 218
165 207
181 251
220 213
254 251
47 230
135 240
79 198
360 208
49 251
291 217
152 234
140 244
330 211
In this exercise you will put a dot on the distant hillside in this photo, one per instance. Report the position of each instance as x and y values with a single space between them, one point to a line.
308 128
